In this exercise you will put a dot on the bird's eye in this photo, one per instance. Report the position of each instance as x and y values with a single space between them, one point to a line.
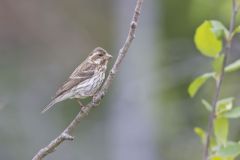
100 55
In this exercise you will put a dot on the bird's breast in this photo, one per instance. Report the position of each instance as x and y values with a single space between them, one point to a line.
90 86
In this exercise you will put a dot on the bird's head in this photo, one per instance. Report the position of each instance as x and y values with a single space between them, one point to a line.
99 56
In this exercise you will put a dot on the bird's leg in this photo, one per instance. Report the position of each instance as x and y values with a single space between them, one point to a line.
80 103
82 107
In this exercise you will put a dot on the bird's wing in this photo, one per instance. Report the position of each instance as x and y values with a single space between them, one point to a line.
81 73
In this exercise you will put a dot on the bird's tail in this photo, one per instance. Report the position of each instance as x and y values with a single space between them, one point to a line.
50 105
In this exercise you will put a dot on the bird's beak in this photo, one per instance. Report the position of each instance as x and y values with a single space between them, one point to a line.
109 56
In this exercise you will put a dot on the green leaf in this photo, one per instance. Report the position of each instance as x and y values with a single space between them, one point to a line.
234 113
207 41
219 29
201 134
230 150
207 105
233 67
197 83
224 105
236 30
216 157
221 130
217 63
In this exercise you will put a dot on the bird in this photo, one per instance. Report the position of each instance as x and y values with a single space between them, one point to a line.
85 80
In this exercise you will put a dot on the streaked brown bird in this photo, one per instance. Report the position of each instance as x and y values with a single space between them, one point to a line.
85 80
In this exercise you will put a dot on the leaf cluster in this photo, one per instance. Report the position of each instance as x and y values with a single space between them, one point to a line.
209 39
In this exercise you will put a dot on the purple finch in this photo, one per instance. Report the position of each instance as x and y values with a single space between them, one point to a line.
85 80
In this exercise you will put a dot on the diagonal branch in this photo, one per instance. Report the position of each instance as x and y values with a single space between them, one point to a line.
66 134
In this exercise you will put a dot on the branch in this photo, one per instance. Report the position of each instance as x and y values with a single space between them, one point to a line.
66 134
227 51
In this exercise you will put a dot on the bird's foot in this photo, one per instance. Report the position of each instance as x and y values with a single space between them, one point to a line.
82 107
95 100
84 110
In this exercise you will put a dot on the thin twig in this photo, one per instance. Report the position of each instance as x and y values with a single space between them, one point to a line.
227 51
66 134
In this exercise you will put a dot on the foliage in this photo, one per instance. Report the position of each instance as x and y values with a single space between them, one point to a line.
209 39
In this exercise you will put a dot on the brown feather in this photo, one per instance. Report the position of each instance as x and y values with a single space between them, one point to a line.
82 72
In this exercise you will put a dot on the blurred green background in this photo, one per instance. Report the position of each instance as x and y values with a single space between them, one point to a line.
146 115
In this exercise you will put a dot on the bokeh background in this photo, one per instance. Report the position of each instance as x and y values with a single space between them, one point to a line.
146 115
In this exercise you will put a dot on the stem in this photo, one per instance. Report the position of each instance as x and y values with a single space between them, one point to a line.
66 134
219 81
